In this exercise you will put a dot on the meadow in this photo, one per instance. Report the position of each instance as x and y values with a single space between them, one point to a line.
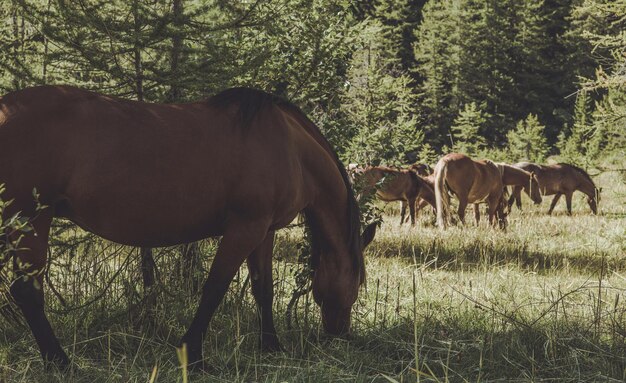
543 301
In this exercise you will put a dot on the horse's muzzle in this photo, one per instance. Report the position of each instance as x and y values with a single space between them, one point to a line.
336 321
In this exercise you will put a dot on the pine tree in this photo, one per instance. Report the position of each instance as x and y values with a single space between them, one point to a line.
527 141
436 52
378 102
601 23
576 144
466 131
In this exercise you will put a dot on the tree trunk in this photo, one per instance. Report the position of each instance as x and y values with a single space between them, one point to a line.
175 92
190 266
148 265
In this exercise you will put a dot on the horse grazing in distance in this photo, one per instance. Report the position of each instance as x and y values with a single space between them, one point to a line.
560 179
516 177
426 195
471 182
391 185
240 165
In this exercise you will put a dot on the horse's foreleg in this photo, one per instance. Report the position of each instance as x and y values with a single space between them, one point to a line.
240 239
568 202
411 203
477 213
27 290
492 207
260 267
554 201
516 197
402 212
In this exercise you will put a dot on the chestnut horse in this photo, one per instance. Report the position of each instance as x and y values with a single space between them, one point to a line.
241 164
471 182
516 177
393 185
558 180
426 195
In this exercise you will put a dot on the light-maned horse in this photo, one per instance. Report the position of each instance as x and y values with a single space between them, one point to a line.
471 182
558 180
517 177
241 164
391 184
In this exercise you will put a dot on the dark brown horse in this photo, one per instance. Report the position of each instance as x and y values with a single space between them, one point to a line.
393 185
471 182
516 177
558 180
241 164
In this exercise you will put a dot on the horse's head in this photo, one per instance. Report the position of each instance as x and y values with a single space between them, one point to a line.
532 189
336 287
595 200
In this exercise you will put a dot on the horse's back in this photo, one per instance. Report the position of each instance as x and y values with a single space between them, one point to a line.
475 179
108 164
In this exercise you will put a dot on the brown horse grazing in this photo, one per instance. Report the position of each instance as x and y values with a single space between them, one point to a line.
392 185
514 176
241 164
426 195
471 182
558 180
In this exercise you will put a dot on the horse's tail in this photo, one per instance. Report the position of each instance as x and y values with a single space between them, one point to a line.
441 193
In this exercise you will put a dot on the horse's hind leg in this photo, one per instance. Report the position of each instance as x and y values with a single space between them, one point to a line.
240 239
27 289
554 201
260 267
461 210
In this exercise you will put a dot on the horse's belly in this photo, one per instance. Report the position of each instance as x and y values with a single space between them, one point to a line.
143 221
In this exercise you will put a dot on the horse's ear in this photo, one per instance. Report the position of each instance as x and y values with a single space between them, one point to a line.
368 234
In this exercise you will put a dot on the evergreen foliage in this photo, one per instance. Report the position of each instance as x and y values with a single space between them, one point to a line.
528 141
381 78
466 131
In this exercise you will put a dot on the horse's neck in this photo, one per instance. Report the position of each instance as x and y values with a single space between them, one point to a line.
427 191
513 176
586 186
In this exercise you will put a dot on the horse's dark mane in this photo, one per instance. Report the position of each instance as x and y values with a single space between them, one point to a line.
249 102
581 171
252 101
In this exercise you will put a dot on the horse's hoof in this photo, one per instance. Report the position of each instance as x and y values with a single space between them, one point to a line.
57 365
57 362
199 366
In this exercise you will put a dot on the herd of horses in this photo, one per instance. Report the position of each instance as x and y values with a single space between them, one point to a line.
473 182
240 165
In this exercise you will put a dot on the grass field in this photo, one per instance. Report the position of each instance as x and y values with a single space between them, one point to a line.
543 301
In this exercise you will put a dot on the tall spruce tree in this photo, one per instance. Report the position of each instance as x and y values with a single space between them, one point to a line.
378 101
527 141
467 137
437 54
